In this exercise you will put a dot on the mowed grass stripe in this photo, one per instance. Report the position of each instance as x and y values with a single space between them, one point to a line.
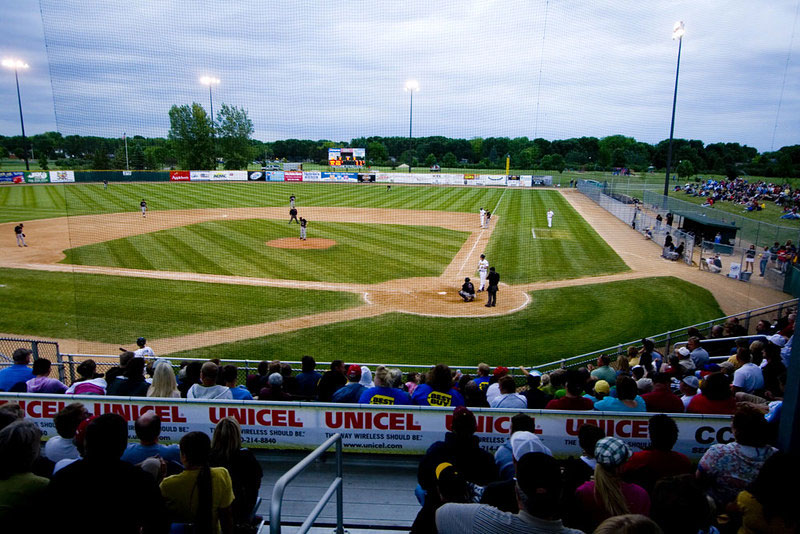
114 309
559 323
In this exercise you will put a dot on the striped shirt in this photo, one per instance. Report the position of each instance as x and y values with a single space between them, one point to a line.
484 519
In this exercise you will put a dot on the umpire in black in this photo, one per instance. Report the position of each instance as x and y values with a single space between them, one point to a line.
494 279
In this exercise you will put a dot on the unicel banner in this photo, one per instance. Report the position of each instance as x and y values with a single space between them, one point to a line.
375 429
12 177
293 176
62 176
179 176
40 177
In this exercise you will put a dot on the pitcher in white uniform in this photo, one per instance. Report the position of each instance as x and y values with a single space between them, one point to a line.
483 270
550 218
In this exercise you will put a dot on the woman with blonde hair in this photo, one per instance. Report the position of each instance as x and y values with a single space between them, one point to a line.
245 471
164 384
607 495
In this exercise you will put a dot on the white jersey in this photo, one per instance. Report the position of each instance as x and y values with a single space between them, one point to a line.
549 214
483 266
144 352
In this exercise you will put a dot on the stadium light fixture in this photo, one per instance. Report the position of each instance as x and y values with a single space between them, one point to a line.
210 81
678 30
17 65
411 87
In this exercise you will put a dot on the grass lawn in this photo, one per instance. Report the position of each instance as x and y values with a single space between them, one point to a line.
119 309
364 253
558 323
570 249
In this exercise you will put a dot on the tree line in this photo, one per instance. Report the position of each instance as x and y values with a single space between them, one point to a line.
195 141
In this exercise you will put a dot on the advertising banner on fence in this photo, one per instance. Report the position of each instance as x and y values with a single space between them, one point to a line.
179 176
541 179
293 176
339 176
312 176
62 176
12 177
366 177
37 177
200 176
376 429
493 179
256 176
228 176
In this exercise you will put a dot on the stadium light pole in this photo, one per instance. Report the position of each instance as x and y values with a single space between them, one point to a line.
677 33
412 86
16 65
210 81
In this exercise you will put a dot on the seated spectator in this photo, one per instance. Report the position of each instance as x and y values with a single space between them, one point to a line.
680 507
230 375
748 378
66 422
685 360
208 388
574 399
597 390
493 390
538 490
555 382
628 524
351 392
467 291
473 396
727 469
244 469
41 383
438 389
482 380
201 495
259 380
504 455
383 392
500 494
698 354
125 358
662 399
274 390
450 488
331 381
164 384
148 429
688 387
131 383
307 379
509 398
537 399
767 505
366 377
88 381
124 498
578 471
17 373
608 495
627 399
21 491
604 370
412 381
460 448
622 363
658 461
715 396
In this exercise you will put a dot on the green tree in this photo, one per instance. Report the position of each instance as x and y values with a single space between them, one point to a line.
234 129
376 151
429 160
100 160
43 162
553 162
119 161
528 157
137 159
685 169
190 135
449 160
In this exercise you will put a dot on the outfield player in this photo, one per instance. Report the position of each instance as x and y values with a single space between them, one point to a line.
291 201
550 218
483 270
143 205
20 235
105 185
303 224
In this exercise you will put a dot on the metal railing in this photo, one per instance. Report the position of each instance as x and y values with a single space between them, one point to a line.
336 486
41 349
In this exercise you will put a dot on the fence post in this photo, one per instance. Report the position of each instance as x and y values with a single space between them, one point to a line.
60 364
669 344
747 321
339 489
35 349
71 368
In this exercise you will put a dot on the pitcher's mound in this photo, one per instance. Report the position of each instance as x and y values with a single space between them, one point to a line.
297 243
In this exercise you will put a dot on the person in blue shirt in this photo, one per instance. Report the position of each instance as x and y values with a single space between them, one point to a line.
19 372
627 399
307 379
148 428
438 389
384 392
482 380
230 375
352 391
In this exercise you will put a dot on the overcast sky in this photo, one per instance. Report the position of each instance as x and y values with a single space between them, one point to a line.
336 70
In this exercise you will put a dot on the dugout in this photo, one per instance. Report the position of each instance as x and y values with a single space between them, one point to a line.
705 228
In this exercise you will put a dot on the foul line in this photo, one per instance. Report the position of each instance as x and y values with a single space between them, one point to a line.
480 235
533 232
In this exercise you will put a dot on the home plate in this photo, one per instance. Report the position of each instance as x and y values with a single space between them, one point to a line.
443 292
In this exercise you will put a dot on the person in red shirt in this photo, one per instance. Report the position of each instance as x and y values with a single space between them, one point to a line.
715 396
574 399
662 399
658 461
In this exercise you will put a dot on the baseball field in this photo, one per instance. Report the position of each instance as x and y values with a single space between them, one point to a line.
216 270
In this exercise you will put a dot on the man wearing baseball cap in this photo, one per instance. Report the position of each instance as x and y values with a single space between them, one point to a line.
537 489
494 389
688 387
351 392
143 351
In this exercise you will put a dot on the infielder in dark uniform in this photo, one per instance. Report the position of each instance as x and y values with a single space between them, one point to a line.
467 291
143 205
494 280
293 216
20 235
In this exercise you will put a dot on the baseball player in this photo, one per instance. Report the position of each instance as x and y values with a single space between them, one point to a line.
143 350
143 205
20 235
483 270
303 224
291 201
105 185
483 218
293 215
550 218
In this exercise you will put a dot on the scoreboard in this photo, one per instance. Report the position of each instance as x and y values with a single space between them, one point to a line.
346 157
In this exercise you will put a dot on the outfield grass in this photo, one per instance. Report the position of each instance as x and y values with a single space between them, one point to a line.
116 309
570 249
558 323
364 253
